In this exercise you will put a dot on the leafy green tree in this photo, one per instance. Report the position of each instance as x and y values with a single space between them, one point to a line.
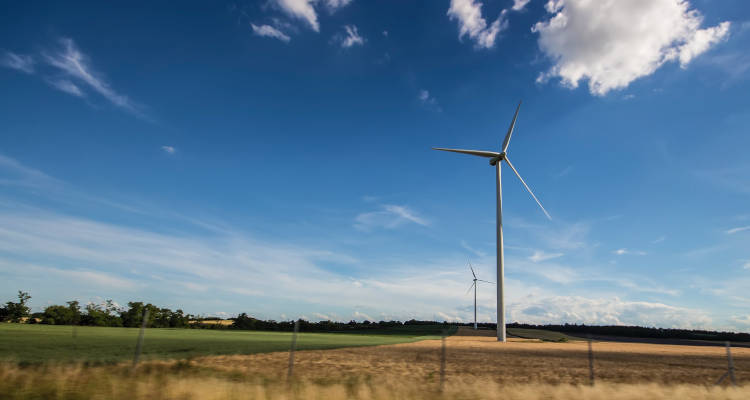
62 315
107 314
133 316
15 312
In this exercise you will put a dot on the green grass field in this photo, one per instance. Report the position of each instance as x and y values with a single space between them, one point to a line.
42 343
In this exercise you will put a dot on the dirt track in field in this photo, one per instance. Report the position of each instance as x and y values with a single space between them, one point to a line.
518 361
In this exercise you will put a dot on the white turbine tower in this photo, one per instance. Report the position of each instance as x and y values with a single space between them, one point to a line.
474 285
495 160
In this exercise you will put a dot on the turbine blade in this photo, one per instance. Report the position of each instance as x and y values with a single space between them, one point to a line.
472 285
506 142
482 280
527 188
472 270
480 153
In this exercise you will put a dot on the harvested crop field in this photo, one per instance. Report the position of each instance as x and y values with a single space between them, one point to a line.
517 361
477 367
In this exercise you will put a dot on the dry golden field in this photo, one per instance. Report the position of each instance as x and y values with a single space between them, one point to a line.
476 368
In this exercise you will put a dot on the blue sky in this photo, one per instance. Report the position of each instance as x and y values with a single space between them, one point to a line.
274 158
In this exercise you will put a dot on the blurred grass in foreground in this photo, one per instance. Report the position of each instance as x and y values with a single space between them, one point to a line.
180 380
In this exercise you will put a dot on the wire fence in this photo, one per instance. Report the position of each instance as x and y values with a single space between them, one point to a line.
729 374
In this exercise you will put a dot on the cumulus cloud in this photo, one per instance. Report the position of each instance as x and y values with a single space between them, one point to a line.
350 38
614 311
301 9
269 31
391 216
70 61
471 23
613 43
19 62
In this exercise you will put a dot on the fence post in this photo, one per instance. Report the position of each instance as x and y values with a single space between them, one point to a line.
290 371
730 366
442 362
139 344
591 363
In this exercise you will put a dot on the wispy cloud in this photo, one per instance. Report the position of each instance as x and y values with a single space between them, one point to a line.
75 65
390 217
659 240
350 37
472 250
737 230
746 265
540 256
169 149
270 31
19 62
622 252
471 23
564 172
14 173
429 101
66 86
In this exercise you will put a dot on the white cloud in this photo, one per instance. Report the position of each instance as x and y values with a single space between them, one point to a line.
336 4
269 31
470 21
519 5
305 9
169 149
20 62
70 61
746 265
301 9
429 101
622 252
659 239
351 38
613 43
737 230
14 173
574 309
66 86
391 216
539 256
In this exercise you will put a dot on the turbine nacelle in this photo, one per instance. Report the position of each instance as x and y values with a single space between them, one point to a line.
497 158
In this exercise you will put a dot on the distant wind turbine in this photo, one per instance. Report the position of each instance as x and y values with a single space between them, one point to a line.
495 160
474 285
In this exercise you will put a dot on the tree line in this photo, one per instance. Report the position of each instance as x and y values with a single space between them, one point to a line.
106 314
109 314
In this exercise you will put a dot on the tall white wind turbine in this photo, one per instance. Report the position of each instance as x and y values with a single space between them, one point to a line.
474 285
496 160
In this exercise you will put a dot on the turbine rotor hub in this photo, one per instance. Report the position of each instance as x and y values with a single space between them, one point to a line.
498 158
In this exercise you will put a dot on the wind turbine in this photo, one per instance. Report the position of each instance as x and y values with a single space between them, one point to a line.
474 285
495 160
